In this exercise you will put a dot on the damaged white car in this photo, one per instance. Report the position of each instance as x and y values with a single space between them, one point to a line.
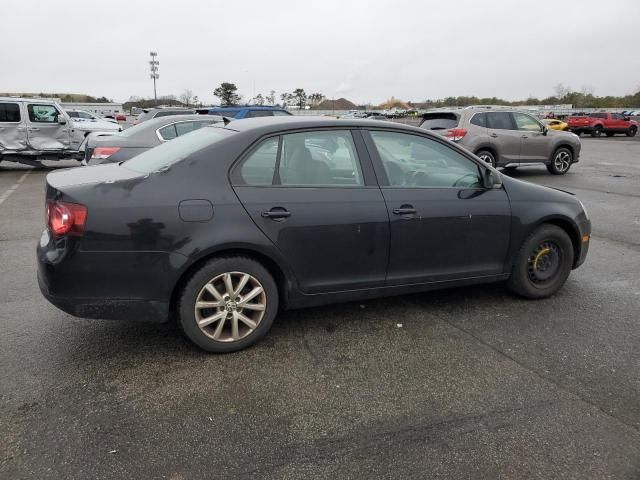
33 129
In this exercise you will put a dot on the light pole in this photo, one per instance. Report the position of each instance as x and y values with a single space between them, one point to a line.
153 63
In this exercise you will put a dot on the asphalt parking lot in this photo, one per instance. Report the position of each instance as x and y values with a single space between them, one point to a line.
466 383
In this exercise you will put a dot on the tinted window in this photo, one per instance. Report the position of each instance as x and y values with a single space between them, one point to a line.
319 158
439 121
74 114
259 167
278 113
42 113
479 119
172 152
9 112
500 121
414 161
597 115
168 132
259 113
525 122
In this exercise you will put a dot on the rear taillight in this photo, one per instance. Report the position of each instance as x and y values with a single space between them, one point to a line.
455 134
104 152
66 218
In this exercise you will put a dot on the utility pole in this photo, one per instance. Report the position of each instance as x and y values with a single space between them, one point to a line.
153 63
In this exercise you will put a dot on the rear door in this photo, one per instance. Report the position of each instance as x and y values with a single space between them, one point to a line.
313 194
13 131
534 145
44 132
504 136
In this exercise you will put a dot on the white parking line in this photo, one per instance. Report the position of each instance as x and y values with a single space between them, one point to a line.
13 187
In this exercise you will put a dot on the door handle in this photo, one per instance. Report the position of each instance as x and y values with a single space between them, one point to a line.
34 129
404 210
524 136
276 214
493 135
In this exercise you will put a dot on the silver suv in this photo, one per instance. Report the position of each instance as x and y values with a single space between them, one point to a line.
505 137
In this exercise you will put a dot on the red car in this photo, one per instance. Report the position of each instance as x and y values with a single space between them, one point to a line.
121 117
598 123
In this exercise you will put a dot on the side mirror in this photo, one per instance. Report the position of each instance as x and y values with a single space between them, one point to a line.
491 179
62 120
544 130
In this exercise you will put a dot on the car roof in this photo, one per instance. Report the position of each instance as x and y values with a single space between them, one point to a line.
168 119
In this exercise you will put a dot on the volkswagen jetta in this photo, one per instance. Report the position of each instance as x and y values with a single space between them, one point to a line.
229 224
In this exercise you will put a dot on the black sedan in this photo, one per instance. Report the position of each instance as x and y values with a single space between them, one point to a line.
102 148
232 223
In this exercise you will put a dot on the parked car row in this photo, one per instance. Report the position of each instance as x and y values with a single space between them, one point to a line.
233 222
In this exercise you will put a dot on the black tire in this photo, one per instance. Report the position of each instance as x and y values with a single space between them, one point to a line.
487 156
632 131
597 131
609 134
561 161
530 278
195 288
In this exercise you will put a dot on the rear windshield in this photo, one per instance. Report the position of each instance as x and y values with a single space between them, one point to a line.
439 121
172 152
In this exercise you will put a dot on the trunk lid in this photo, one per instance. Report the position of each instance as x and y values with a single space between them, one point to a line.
109 173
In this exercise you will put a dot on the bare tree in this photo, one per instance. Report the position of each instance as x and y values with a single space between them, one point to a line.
258 99
186 97
561 90
271 98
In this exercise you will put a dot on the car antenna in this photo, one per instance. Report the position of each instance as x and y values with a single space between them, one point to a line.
226 120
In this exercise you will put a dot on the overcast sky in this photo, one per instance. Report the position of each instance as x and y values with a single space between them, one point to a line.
363 50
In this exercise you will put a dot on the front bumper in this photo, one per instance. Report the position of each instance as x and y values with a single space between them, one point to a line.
585 234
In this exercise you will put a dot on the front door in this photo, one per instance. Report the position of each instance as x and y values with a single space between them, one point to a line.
44 131
13 132
313 194
535 145
444 224
504 136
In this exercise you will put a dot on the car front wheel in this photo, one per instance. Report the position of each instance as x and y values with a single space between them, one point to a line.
561 161
543 263
228 304
632 131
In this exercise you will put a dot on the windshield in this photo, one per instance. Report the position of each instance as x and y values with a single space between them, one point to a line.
439 121
172 152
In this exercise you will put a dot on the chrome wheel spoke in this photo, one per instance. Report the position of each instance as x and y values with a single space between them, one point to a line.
258 307
246 320
213 318
205 304
250 296
235 334
213 291
241 284
228 284
218 331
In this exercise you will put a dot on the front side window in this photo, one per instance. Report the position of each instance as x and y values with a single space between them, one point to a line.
42 113
500 121
413 161
525 122
9 112
319 158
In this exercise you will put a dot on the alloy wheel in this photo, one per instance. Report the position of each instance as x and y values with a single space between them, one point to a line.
562 161
230 306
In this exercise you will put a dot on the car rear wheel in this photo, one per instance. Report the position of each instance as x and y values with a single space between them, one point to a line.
228 304
543 263
632 131
561 161
486 156
597 131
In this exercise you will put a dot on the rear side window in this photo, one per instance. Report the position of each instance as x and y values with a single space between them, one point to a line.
598 115
259 167
500 121
259 113
42 113
479 119
439 121
9 112
168 132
